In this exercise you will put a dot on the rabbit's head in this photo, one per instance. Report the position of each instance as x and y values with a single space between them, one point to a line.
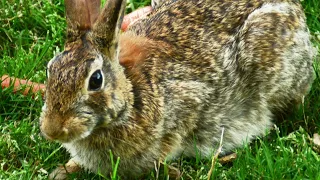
86 86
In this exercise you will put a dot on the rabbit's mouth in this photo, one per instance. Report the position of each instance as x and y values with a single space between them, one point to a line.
67 130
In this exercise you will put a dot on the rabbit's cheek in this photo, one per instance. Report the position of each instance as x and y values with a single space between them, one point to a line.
78 128
115 104
120 107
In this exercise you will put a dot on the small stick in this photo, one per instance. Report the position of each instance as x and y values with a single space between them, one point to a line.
18 84
215 157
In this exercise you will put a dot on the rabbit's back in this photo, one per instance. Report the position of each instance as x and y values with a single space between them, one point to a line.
226 63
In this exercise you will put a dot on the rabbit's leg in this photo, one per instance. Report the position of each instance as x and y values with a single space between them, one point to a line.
62 172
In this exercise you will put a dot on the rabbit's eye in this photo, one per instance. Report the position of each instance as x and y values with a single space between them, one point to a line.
95 81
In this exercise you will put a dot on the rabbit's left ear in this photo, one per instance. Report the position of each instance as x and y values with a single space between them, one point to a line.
107 27
81 15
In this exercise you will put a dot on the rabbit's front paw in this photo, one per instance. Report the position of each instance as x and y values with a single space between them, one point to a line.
61 172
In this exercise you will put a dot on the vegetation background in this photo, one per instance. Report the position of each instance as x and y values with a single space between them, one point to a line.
32 31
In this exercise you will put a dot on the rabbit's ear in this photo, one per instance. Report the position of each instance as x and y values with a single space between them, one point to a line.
81 15
107 27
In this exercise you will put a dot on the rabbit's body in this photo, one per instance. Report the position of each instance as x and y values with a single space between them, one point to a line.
195 67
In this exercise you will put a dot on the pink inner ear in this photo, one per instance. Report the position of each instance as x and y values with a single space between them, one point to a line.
82 13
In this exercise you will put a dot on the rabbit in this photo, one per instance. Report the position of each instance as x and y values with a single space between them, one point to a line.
174 82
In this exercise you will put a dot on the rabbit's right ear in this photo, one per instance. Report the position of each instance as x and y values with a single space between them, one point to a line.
107 27
81 15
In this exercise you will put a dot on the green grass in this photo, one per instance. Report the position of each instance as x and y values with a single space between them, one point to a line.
31 32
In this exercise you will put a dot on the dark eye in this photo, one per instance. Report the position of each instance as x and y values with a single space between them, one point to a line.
95 81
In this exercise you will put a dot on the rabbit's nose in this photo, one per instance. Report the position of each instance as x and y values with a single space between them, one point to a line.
53 131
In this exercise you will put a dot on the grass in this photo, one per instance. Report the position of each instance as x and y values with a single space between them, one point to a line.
31 32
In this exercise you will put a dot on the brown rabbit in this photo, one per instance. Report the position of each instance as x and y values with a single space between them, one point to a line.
191 68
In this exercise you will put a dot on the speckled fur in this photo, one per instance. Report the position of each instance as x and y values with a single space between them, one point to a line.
191 68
